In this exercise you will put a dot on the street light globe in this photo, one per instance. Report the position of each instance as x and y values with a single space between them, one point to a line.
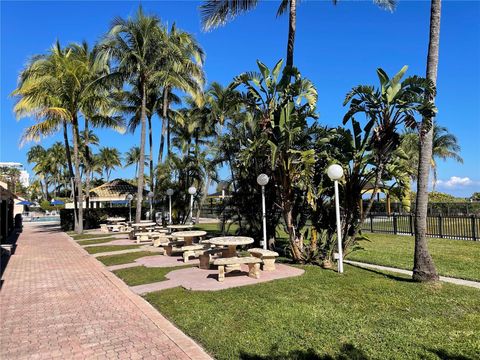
335 172
262 179
169 192
129 197
151 194
192 190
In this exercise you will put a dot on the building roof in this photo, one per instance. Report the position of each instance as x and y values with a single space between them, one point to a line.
5 193
116 189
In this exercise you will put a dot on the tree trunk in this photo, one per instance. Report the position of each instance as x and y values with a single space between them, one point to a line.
423 266
87 167
164 124
78 180
70 172
141 165
292 19
150 143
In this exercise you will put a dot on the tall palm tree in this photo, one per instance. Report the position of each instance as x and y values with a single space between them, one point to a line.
423 266
109 159
218 12
135 45
56 157
39 156
132 157
180 68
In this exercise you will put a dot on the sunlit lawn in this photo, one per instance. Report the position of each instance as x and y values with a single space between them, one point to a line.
91 236
107 248
139 275
323 315
124 258
97 241
456 258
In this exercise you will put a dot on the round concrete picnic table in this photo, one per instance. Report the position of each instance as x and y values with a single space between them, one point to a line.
232 242
188 236
143 226
115 219
179 227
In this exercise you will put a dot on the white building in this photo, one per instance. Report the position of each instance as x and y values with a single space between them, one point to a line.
24 175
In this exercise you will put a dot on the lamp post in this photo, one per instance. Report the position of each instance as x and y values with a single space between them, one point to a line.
192 191
169 193
150 198
130 198
335 173
262 180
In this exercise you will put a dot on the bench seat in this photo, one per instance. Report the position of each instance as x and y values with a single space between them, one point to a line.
252 262
192 250
267 256
206 256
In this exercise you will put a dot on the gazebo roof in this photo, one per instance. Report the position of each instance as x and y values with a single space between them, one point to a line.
117 188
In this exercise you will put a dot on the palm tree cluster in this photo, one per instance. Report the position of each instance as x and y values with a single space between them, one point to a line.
131 73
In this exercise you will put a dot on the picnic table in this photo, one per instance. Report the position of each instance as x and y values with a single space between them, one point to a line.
188 236
147 236
143 226
115 219
231 242
179 227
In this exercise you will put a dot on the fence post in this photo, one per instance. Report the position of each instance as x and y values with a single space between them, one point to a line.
440 226
371 223
395 230
410 223
474 227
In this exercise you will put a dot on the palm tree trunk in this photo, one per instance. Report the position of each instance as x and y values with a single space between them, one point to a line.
165 125
141 165
292 19
78 180
423 266
70 171
87 167
150 143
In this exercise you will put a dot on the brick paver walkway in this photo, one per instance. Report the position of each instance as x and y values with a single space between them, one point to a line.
59 302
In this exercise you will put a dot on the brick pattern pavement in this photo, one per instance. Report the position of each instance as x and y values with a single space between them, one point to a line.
57 302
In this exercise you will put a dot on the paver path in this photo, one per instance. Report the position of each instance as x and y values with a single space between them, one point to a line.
59 302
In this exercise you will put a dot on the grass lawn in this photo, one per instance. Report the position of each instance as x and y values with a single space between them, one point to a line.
143 275
456 258
106 248
322 315
90 236
98 241
124 258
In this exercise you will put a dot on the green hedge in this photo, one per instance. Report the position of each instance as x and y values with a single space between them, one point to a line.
92 218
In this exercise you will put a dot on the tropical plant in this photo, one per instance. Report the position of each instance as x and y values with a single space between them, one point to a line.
109 158
444 146
218 12
136 47
395 103
423 266
132 157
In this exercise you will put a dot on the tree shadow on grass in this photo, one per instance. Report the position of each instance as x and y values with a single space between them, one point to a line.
444 355
385 274
346 352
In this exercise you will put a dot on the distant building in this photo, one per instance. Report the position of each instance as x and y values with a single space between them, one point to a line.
24 175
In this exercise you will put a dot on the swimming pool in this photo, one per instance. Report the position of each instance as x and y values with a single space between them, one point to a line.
42 218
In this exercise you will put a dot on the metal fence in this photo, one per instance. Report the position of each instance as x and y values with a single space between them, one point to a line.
451 227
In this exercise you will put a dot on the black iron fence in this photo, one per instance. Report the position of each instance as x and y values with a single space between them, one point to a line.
451 227
434 208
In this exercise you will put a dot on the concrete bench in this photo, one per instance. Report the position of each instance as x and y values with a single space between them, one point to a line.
162 240
206 257
252 262
173 247
192 250
267 256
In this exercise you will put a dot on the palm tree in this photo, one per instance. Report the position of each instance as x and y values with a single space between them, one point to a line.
423 266
133 158
444 146
218 12
109 159
56 157
180 68
39 156
135 45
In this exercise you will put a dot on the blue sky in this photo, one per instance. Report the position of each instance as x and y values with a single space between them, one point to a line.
337 47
